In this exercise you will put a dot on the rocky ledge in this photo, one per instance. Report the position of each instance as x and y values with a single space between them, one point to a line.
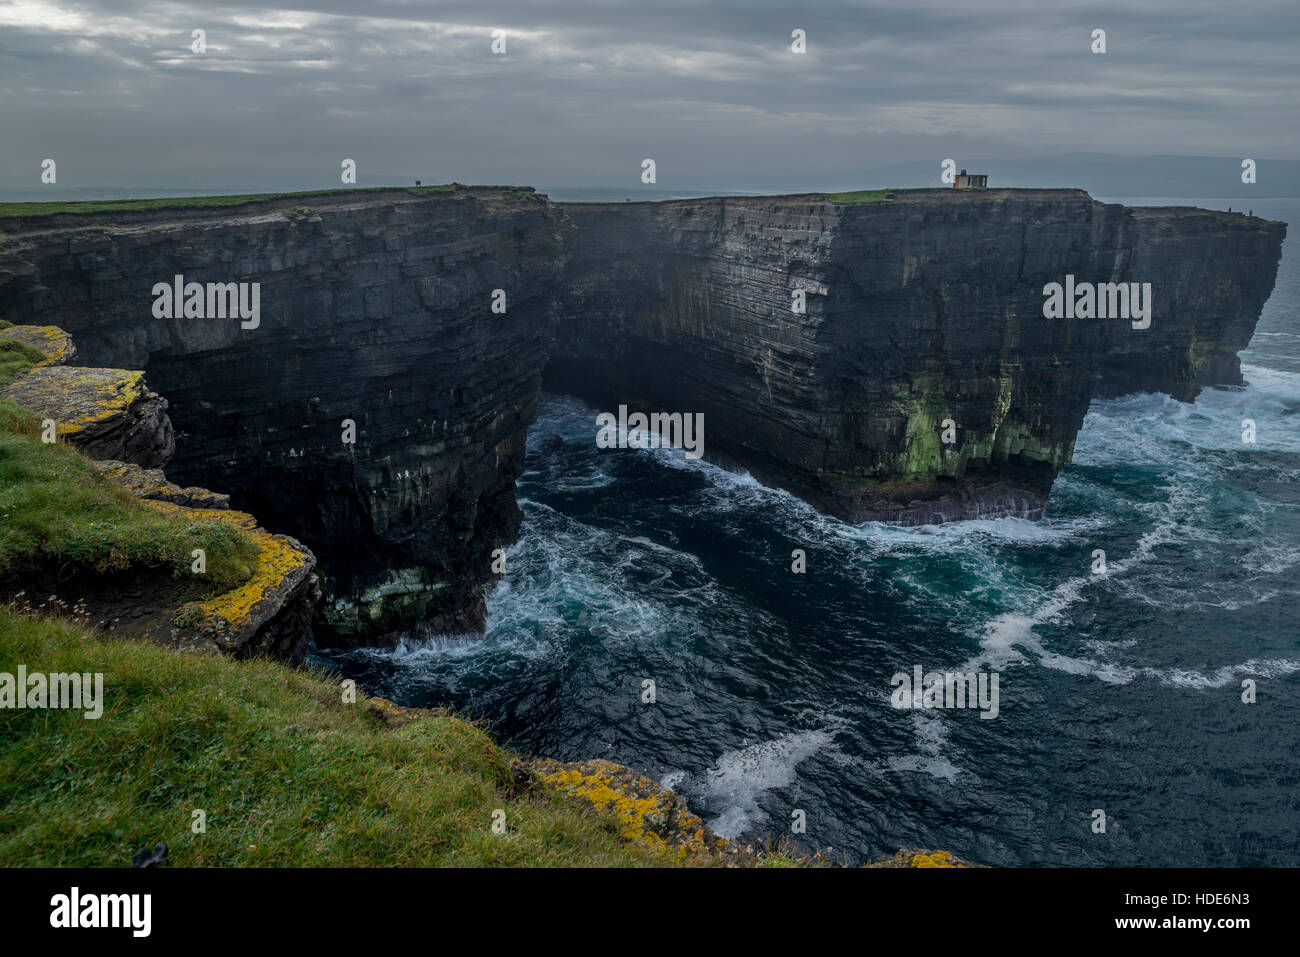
650 814
377 408
107 413
111 417
646 811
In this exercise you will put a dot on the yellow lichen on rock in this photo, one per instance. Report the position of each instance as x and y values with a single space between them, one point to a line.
646 812
153 484
281 566
923 858
107 413
599 790
51 341
76 397
934 859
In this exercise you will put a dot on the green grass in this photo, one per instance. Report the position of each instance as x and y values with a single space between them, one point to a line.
287 774
88 207
16 358
5 324
57 510
861 196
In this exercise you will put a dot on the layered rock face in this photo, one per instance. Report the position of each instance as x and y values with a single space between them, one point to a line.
375 326
110 412
1215 272
112 417
922 381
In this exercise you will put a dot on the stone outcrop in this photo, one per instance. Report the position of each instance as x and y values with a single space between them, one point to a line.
51 341
650 814
375 310
153 485
111 412
1215 272
646 811
922 308
107 413
922 859
269 614
923 321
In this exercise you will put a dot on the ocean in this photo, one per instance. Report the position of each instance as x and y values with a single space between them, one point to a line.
1118 692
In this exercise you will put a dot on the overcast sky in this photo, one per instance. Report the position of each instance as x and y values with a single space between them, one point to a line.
588 88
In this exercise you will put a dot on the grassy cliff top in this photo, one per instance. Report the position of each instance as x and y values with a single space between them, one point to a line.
32 213
858 197
199 203
286 772
862 196
58 511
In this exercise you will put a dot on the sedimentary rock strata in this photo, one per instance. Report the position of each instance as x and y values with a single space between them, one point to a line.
111 412
376 310
377 407
921 382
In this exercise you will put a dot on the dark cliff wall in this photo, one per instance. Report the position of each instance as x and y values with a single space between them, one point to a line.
919 309
374 308
1216 271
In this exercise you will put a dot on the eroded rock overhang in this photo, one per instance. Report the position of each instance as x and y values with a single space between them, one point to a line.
921 381
922 312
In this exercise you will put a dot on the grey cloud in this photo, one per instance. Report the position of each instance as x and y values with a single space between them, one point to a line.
587 90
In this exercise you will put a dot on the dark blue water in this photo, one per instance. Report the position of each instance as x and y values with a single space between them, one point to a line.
1119 692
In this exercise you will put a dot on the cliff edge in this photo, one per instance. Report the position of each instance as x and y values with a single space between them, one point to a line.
91 525
358 368
887 356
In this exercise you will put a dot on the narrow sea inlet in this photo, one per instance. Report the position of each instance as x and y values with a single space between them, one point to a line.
1119 691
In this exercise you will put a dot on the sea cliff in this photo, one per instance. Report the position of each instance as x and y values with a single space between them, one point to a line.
376 409
919 307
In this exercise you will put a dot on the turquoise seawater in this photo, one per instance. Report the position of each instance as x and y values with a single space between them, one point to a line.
1120 692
